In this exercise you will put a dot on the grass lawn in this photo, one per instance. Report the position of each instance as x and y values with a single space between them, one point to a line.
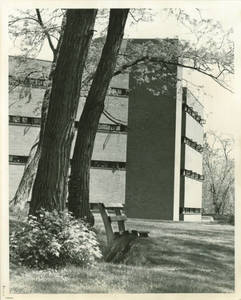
178 257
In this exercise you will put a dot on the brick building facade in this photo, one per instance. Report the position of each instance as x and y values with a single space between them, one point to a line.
152 163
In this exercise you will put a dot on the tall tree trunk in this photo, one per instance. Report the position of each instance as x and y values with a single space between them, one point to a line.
78 200
49 189
24 189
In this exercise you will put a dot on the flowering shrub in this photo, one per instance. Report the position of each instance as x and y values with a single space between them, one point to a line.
53 239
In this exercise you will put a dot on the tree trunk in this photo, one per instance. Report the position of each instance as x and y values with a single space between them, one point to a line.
78 200
49 189
24 189
23 192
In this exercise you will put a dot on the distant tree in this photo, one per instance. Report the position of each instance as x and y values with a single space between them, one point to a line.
218 165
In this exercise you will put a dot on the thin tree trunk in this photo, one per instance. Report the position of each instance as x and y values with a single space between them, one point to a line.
23 193
49 189
78 200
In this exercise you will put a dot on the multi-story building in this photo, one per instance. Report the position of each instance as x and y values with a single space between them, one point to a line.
147 152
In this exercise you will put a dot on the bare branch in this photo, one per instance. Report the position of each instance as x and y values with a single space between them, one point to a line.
157 60
113 119
45 31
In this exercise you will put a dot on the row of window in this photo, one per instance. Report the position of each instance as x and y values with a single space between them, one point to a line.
42 83
113 165
190 210
191 174
37 121
193 114
192 144
24 120
28 81
104 127
118 92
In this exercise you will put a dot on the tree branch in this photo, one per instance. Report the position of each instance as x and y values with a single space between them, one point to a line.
127 66
45 31
11 23
113 119
156 60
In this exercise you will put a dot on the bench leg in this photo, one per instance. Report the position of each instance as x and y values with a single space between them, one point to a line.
107 224
121 224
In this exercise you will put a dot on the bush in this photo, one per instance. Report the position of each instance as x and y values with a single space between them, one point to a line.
53 239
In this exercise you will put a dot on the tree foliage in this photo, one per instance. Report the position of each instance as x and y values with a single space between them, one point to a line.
53 239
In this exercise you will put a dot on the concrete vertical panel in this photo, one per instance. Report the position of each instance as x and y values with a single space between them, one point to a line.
194 130
26 101
193 193
193 160
107 186
108 146
192 218
193 102
22 138
178 140
15 175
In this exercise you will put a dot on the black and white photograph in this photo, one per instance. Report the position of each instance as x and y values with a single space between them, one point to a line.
120 145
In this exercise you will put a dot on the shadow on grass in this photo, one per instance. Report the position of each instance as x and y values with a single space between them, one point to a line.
176 258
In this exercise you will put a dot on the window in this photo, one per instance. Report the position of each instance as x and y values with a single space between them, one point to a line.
108 164
118 92
36 121
123 128
18 159
16 119
192 144
25 120
193 114
190 210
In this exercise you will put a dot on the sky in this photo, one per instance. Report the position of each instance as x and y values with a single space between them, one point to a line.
221 106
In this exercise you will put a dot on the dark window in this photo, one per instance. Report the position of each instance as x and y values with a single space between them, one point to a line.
94 163
108 164
190 210
123 128
25 120
16 119
192 144
18 159
193 113
118 92
36 121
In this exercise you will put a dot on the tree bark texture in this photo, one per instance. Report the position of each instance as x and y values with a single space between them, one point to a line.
24 189
78 200
49 189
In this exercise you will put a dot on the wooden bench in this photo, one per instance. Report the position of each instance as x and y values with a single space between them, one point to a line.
119 217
